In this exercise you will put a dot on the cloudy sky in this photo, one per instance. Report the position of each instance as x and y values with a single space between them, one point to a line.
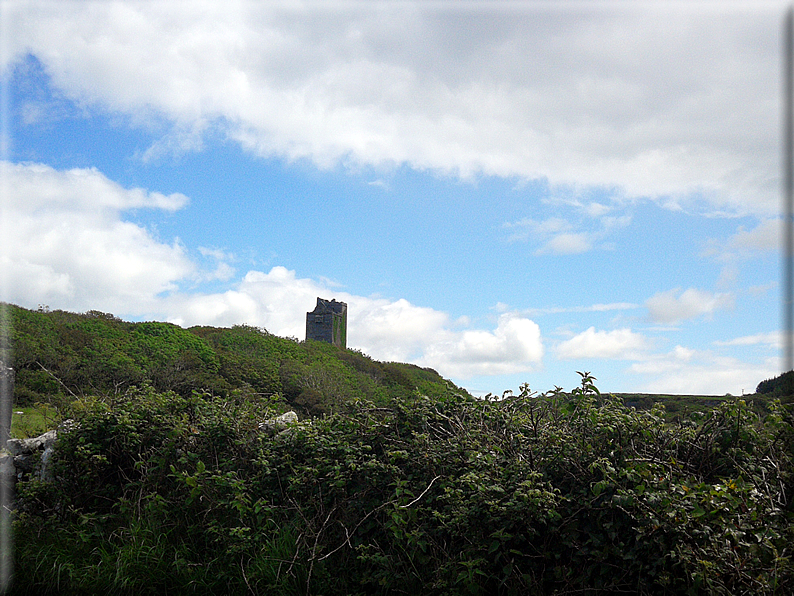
507 192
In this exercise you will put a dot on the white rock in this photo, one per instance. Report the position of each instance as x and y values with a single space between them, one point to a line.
278 423
20 446
48 439
14 446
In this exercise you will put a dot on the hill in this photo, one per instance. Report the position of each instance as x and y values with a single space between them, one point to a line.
781 387
59 356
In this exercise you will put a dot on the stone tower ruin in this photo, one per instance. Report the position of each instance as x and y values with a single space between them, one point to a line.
328 322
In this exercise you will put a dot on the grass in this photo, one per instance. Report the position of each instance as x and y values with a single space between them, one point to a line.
32 421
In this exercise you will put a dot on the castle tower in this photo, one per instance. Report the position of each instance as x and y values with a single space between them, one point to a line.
328 322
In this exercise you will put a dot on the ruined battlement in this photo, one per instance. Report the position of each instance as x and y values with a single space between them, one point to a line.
328 322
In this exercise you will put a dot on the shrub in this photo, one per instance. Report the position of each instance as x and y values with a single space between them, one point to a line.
523 494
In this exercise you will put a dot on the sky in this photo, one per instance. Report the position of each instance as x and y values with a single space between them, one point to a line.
506 192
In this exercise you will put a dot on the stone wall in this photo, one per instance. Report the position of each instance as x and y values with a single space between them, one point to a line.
28 456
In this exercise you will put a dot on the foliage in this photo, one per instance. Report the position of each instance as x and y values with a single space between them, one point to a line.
59 356
524 494
781 386
679 409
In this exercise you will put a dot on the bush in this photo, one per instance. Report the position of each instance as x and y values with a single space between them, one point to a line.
519 495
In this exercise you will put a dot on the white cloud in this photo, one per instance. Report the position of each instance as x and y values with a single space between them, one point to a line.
64 241
590 97
657 364
223 271
621 344
758 242
591 308
566 244
394 330
596 209
527 228
555 234
389 330
39 187
66 245
514 346
772 339
767 236
674 306
761 290
559 236
690 372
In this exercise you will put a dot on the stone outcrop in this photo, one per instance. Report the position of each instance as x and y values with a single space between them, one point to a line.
22 446
278 424
29 455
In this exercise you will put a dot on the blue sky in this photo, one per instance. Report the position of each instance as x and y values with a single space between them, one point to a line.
506 192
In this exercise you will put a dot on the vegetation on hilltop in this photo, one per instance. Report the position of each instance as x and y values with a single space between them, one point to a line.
781 387
59 356
683 408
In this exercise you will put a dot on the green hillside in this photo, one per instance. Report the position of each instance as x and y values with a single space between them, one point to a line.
781 387
679 408
59 356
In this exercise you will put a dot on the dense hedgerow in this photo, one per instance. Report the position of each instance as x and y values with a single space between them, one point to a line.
159 493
